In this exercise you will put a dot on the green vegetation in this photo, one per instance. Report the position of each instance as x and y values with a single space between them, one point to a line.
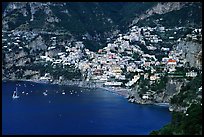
39 21
131 10
14 21
144 85
158 86
188 92
68 72
191 122
92 45
130 75
135 56
190 15
184 124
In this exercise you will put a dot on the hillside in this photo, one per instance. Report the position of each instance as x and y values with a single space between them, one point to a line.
152 49
83 19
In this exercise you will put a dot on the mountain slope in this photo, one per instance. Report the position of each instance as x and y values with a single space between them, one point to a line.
98 21
173 14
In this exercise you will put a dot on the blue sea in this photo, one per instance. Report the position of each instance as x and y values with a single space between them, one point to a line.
45 109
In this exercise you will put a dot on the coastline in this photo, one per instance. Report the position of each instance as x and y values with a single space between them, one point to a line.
85 84
119 91
57 82
124 92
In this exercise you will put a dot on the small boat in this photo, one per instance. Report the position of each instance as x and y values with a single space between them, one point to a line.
15 94
44 93
63 93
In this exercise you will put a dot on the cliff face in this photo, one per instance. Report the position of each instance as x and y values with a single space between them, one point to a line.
190 93
192 52
160 8
44 28
173 86
109 16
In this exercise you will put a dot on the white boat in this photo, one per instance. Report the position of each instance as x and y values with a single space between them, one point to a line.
15 94
44 93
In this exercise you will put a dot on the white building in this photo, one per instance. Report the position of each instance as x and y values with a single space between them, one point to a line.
145 96
191 74
165 49
113 83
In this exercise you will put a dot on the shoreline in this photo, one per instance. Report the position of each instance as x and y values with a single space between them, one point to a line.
85 84
119 91
56 82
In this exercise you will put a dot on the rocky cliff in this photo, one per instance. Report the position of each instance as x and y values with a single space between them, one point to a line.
32 30
192 52
160 8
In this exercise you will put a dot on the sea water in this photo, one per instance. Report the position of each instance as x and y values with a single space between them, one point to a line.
52 109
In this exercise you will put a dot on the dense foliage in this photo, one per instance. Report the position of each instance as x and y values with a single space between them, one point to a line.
188 92
68 72
184 124
100 20
191 12
190 122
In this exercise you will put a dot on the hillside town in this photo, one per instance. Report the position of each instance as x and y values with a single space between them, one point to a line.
136 63
138 55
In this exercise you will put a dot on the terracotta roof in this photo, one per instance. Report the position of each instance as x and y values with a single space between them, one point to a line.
171 60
